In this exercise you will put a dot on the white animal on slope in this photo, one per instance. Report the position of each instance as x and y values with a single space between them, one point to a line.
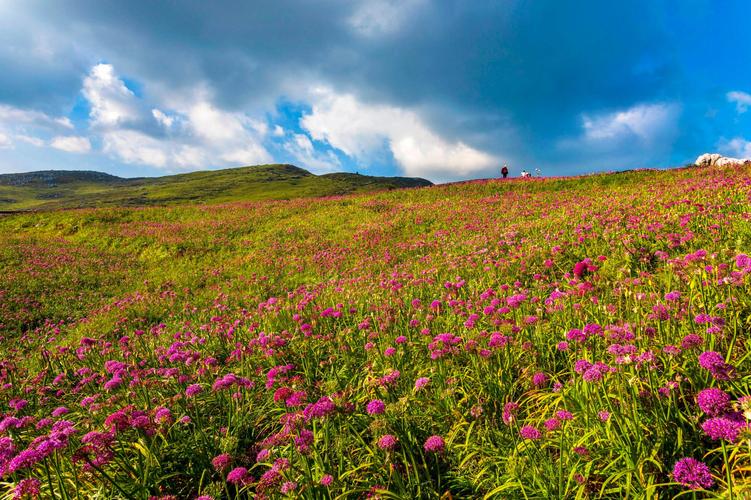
717 160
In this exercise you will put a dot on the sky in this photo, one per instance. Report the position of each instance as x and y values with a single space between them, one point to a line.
445 90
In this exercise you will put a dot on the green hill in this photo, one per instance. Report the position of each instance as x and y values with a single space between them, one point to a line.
53 189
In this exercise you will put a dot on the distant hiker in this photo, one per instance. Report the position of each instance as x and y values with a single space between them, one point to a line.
504 171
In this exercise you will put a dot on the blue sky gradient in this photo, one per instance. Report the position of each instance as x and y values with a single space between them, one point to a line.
446 90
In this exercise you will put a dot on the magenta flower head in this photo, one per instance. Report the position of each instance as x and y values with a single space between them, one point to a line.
421 382
529 432
221 462
552 424
721 428
564 415
237 475
288 487
713 402
327 479
193 389
539 379
376 407
27 488
743 261
57 412
692 473
715 364
434 444
509 412
387 442
691 340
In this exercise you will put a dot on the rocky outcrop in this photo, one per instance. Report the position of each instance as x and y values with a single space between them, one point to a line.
717 160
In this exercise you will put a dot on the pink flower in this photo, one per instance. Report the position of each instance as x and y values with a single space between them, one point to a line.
713 402
327 479
376 407
237 475
434 444
193 389
221 462
530 432
421 382
387 442
539 379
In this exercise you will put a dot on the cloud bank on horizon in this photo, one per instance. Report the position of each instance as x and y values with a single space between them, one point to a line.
444 90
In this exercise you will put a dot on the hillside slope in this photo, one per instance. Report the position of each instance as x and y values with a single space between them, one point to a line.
52 189
561 338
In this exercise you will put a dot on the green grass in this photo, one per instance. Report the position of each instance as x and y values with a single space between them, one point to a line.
263 182
114 313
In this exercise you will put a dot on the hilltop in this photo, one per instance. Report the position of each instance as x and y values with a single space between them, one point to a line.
54 189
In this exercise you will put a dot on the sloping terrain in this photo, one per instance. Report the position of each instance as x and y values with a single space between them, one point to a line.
573 338
48 190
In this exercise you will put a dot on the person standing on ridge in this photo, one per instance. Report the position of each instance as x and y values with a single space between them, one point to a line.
504 171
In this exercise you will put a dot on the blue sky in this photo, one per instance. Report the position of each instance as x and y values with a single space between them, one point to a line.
445 90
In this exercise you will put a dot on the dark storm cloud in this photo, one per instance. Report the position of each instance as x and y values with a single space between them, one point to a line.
512 77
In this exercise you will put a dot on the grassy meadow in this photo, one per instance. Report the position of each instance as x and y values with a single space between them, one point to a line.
569 338
51 190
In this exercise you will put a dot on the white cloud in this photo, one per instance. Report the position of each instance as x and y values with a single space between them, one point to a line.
34 141
198 134
737 146
71 144
278 131
742 100
29 126
132 146
382 17
12 116
112 103
163 119
647 122
360 130
303 150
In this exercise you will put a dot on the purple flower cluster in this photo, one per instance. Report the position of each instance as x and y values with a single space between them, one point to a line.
692 473
434 444
387 442
714 362
713 402
376 407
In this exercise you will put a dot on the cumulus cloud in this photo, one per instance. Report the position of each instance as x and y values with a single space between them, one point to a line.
71 144
647 122
305 153
198 134
163 119
13 116
742 100
636 136
360 130
737 146
382 17
132 146
112 102
34 141
29 126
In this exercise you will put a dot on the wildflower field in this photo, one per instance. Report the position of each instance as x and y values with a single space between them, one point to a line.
547 338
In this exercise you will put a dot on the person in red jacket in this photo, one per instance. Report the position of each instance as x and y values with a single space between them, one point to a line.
504 171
